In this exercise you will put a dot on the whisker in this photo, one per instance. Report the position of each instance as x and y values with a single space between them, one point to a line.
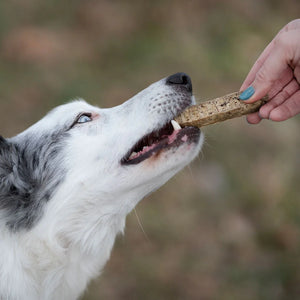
141 226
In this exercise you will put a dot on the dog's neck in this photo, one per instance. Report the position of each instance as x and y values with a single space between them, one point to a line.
57 261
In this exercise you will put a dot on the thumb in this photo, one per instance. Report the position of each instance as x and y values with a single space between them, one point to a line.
271 71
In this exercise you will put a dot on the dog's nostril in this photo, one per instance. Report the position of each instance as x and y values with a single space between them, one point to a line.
180 79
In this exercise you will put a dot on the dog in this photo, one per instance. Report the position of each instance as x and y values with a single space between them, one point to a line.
68 182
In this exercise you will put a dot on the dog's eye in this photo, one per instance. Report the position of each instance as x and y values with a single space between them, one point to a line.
84 118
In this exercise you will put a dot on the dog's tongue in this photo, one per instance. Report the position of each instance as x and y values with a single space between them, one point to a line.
145 149
170 138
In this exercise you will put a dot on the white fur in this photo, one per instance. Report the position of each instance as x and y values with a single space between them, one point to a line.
73 239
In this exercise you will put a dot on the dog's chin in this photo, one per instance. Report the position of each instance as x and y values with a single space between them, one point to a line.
153 168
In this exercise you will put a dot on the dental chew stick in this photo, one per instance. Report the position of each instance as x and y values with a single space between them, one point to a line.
218 110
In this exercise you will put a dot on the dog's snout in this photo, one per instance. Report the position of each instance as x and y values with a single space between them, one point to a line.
180 79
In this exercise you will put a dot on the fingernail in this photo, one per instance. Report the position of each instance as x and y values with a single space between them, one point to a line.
247 93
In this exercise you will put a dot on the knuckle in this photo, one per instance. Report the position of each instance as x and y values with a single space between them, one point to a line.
261 76
281 97
281 40
287 112
286 42
292 25
285 94
287 27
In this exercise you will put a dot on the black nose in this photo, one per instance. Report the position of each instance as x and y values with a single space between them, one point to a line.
181 79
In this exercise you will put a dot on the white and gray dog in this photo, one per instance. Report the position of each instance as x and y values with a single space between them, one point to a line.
68 182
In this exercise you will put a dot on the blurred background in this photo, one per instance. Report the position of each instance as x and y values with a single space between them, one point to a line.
228 226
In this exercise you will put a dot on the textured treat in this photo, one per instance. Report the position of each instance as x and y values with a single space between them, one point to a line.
218 110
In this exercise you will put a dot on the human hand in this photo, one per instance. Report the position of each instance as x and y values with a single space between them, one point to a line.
276 73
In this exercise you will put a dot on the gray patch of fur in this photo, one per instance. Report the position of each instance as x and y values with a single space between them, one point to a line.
30 170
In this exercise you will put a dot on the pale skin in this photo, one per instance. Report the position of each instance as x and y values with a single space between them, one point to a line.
277 73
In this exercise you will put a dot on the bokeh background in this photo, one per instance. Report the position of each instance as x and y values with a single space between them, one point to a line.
228 226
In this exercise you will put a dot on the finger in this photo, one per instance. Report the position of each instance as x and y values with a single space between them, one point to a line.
262 58
286 77
297 73
274 66
293 25
286 93
257 65
253 118
282 56
287 109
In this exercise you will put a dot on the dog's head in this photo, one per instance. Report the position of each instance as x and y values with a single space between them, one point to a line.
108 159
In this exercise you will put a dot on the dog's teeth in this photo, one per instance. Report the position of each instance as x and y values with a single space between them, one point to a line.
175 125
132 155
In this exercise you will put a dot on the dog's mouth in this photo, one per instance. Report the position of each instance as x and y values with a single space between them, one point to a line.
171 135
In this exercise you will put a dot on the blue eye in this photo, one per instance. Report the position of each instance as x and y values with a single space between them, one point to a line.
84 118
